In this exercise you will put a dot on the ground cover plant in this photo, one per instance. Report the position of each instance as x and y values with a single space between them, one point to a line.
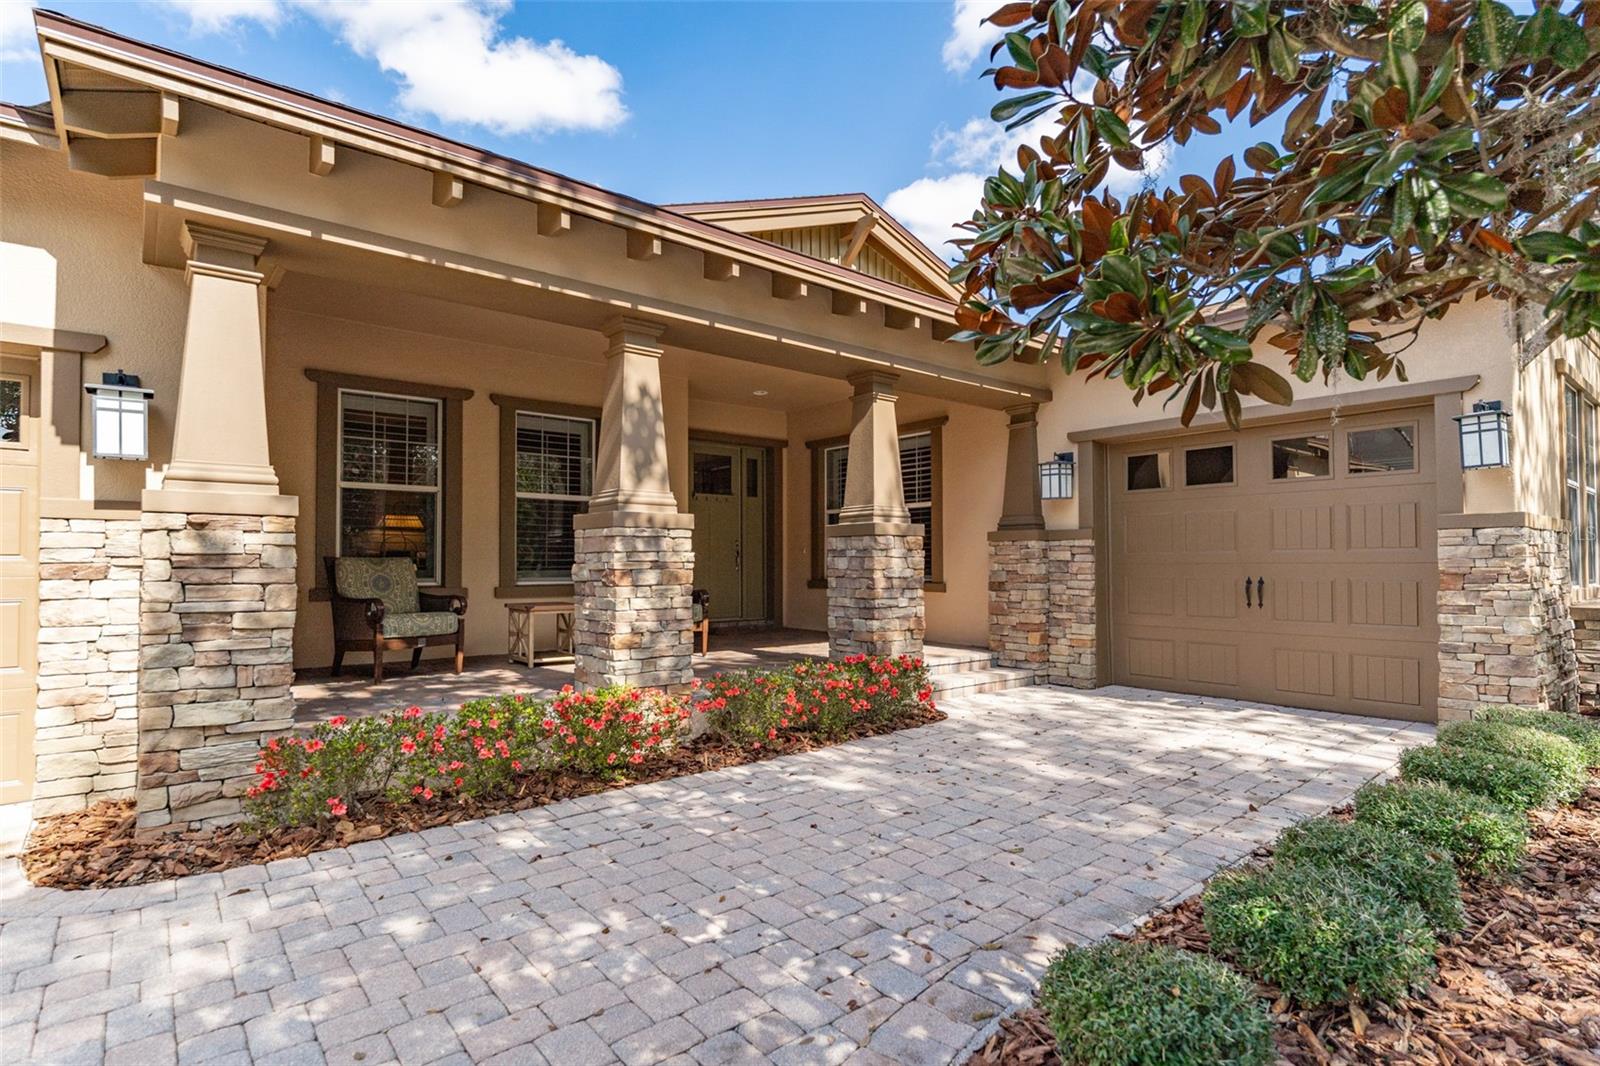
1118 1003
1584 732
1413 871
1482 836
345 781
1507 780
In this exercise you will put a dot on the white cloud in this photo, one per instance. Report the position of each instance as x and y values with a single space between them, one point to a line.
452 59
16 31
932 206
969 36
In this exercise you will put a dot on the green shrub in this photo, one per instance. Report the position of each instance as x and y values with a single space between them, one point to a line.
822 698
1558 755
1513 783
1582 731
1322 936
1422 873
1483 837
1127 1004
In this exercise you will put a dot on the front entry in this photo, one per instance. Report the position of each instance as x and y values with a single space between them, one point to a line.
1292 564
731 500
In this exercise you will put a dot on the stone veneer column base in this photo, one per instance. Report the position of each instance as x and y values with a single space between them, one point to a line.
87 725
632 591
218 598
1505 631
1019 602
1073 642
875 596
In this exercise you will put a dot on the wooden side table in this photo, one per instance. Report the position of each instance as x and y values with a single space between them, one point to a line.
520 621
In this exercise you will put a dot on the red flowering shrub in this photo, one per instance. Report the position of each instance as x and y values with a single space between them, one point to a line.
607 730
326 774
822 698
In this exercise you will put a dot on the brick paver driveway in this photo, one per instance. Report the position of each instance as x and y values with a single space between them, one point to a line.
879 901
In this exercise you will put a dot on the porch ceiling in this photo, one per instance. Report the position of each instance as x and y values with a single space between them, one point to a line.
302 244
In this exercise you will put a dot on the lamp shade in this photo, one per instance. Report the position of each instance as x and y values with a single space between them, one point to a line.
1485 436
1056 477
119 417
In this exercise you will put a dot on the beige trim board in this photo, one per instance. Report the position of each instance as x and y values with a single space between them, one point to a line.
633 520
72 507
1040 534
1503 520
1265 415
389 385
42 339
874 529
183 501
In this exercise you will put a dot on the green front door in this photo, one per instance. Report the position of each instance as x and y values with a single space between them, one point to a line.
729 501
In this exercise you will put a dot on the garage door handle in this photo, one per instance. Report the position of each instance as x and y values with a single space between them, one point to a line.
1247 602
1261 592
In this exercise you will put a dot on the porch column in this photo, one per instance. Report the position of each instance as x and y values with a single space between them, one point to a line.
217 591
633 567
874 555
1019 562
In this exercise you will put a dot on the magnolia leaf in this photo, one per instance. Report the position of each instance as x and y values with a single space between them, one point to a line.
1408 25
1250 18
1474 194
1547 247
1492 34
1009 107
1264 383
1112 128
1194 21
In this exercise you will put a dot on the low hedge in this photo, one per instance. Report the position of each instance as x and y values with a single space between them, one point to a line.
1483 836
1320 935
1582 731
822 698
1557 755
1120 1003
1514 783
1421 873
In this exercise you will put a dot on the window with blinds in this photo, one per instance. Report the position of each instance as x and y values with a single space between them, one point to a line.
389 487
1583 487
555 474
916 483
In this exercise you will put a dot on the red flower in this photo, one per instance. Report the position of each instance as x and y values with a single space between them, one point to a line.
337 720
336 806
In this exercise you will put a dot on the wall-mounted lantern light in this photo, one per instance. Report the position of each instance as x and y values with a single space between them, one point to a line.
1485 436
1055 477
119 417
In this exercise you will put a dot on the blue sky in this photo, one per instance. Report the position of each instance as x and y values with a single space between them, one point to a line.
668 101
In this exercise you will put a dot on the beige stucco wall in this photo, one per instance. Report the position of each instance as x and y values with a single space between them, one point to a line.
70 259
1472 339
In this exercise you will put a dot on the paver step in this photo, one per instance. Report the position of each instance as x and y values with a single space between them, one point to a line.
968 662
992 679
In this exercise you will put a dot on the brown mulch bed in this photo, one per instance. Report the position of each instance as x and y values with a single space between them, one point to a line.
98 847
1521 984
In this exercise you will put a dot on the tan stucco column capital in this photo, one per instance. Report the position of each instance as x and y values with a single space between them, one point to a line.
631 481
222 253
1022 508
874 499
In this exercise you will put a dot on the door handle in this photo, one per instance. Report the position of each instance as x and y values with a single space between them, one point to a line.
738 556
1261 592
1247 602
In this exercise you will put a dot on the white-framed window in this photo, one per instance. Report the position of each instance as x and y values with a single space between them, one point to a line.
916 483
390 492
555 478
1583 487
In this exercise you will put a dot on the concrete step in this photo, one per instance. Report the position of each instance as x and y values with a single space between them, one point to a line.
992 679
960 663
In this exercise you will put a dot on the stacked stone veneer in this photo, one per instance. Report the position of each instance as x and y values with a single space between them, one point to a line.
88 721
1586 645
1042 607
1505 630
215 660
633 593
875 594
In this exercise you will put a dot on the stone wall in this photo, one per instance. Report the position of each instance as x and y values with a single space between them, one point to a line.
632 587
215 660
1505 631
1586 645
875 604
88 722
1073 651
1019 603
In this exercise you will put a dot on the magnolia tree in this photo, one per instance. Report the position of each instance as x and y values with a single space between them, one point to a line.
1432 151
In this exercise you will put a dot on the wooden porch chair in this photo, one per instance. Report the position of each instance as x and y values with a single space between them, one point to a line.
378 607
702 618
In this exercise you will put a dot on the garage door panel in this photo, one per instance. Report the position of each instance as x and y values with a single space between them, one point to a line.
1211 531
1305 671
1150 534
1211 596
1151 657
1150 593
1388 679
1380 602
1212 664
1302 528
1301 600
1379 525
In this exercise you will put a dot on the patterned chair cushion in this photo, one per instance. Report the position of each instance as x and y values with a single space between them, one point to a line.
394 581
419 624
699 613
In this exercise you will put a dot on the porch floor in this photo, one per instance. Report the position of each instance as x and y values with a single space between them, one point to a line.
432 686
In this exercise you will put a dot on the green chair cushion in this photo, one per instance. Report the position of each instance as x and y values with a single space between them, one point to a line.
420 624
393 580
699 613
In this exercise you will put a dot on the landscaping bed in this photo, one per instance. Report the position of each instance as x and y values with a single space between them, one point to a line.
748 718
1519 983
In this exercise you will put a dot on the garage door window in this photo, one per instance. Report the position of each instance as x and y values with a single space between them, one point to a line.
1208 466
1390 450
1147 471
1301 457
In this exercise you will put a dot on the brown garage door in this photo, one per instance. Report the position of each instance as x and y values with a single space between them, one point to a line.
1294 564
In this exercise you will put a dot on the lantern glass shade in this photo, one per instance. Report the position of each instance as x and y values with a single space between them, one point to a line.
119 419
1056 476
1485 436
